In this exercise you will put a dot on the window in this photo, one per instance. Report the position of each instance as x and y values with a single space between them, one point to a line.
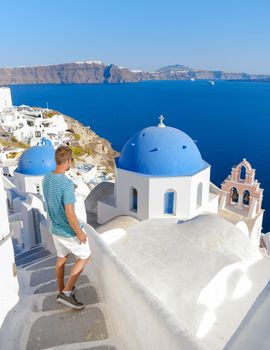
246 197
242 173
234 195
199 195
169 202
134 199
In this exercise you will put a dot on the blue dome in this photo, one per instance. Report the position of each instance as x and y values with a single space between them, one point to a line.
37 160
45 142
161 151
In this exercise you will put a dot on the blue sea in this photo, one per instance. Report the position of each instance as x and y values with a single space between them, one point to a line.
229 121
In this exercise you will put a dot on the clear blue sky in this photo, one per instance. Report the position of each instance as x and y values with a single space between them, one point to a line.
232 35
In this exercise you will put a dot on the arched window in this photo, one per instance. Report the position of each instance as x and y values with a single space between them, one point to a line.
134 199
199 195
169 202
246 197
242 174
234 195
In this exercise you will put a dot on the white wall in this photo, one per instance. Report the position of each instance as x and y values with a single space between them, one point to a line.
202 177
151 192
28 233
31 183
181 187
4 231
138 317
106 212
9 283
185 188
126 180
46 236
27 183
256 229
80 208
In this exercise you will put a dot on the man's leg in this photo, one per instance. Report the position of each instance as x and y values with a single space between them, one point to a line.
75 273
82 252
60 272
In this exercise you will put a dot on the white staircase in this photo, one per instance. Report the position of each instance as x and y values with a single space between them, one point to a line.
47 324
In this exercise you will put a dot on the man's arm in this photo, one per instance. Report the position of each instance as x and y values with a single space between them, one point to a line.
74 223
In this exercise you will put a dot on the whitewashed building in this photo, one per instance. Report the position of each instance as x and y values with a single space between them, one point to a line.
5 98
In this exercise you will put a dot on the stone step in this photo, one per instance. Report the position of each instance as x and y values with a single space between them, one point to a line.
29 264
52 285
28 252
45 275
35 256
48 262
86 295
97 345
67 327
36 245
43 262
17 250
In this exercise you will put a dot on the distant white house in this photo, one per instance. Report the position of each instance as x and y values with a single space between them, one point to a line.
5 98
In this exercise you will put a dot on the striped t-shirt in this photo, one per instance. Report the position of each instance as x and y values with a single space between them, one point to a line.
58 190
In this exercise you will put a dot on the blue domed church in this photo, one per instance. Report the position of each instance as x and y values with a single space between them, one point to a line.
33 164
160 173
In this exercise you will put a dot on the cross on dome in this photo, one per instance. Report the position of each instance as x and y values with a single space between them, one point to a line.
161 124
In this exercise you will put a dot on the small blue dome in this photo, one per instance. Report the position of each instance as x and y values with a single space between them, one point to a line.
45 142
161 151
37 160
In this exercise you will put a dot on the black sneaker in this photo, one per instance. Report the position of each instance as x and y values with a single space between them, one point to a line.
73 292
70 301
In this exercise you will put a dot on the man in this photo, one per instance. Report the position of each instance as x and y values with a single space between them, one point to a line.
66 231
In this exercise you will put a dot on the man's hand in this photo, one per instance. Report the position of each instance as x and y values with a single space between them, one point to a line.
82 237
74 223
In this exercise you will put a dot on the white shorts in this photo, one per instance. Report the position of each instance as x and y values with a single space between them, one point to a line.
66 245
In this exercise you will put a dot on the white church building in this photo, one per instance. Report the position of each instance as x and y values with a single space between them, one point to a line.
160 173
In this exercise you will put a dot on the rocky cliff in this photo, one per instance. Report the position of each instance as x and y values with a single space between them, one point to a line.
98 72
81 72
88 146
